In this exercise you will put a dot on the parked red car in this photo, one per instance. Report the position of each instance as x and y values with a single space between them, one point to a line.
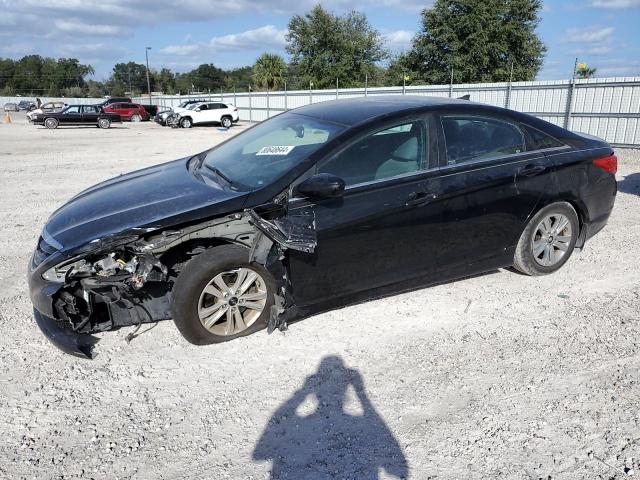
133 112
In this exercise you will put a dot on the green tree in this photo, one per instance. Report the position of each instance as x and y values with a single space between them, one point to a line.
128 78
165 81
270 71
324 46
479 39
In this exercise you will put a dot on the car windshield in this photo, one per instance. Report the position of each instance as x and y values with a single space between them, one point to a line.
193 106
267 151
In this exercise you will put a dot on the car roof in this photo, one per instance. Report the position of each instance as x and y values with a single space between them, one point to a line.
354 111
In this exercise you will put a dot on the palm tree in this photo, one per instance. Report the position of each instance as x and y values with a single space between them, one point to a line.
269 70
585 72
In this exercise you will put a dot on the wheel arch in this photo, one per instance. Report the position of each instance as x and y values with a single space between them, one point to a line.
577 204
176 257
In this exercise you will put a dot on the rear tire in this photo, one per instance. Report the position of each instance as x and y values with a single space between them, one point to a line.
185 123
189 299
548 240
51 123
104 123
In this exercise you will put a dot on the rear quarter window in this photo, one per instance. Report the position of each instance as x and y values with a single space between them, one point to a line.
541 141
470 139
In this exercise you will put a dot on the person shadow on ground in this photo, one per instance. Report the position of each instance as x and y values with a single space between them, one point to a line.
318 435
630 184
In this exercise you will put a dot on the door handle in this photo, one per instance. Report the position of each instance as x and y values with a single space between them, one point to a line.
417 199
531 170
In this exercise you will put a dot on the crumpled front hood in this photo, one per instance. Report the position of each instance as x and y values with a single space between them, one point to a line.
155 197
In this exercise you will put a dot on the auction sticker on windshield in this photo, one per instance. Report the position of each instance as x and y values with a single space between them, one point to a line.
276 150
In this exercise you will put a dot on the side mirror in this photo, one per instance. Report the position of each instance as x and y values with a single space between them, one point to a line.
322 185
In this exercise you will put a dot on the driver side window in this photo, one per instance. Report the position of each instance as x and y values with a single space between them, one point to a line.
392 152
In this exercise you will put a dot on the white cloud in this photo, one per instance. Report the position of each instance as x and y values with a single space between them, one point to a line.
615 3
592 51
76 26
589 35
398 40
267 37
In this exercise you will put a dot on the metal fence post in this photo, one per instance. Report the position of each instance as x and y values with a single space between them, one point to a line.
337 88
366 81
569 109
250 107
451 85
285 96
507 100
268 107
235 101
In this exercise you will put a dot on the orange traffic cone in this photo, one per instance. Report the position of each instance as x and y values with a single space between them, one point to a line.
7 118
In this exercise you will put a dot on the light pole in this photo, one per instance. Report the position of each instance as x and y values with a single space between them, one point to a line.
146 53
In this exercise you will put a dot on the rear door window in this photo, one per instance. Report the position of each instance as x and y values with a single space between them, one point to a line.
471 139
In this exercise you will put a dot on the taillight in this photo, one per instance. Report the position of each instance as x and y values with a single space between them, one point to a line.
608 164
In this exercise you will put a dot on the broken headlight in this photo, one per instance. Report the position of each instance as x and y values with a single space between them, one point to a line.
59 273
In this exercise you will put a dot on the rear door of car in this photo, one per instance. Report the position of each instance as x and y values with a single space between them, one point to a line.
384 228
490 184
89 114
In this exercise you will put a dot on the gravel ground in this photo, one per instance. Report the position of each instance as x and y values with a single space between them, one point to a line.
497 376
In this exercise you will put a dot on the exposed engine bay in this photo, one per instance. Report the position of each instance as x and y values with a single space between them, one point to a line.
131 283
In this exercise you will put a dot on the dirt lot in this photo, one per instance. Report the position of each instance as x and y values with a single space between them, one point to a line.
499 376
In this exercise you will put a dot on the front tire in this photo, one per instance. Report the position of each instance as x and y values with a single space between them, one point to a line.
548 240
136 118
226 122
104 123
185 123
219 296
51 123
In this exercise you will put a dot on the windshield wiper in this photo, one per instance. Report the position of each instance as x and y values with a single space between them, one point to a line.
219 173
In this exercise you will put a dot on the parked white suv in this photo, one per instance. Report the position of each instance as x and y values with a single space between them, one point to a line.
209 112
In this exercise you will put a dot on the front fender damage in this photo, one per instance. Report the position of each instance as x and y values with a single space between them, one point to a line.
126 283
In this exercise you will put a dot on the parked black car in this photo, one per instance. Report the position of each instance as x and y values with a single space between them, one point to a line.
77 115
26 105
318 207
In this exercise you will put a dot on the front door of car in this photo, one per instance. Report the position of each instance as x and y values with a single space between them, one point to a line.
71 115
490 185
384 228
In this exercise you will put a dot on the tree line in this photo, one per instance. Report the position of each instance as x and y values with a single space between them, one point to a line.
464 40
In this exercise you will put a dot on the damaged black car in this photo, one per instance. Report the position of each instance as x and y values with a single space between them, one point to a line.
316 208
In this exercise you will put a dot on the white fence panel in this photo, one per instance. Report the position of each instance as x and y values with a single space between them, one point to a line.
605 107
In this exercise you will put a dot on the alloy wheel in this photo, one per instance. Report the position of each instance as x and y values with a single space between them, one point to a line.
551 239
136 117
232 301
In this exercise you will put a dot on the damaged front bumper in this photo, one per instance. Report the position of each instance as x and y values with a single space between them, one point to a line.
76 344
122 280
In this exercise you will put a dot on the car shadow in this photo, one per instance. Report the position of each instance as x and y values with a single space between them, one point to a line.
317 434
630 184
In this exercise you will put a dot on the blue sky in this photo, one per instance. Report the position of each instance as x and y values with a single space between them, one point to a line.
231 33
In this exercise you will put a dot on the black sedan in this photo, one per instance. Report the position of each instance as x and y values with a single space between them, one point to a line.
313 209
77 115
